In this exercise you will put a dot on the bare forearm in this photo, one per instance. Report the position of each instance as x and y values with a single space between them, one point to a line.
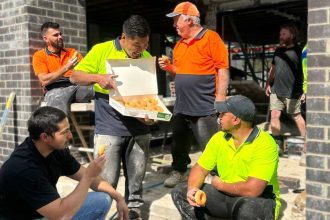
271 75
250 188
82 78
49 78
223 81
196 177
101 185
72 203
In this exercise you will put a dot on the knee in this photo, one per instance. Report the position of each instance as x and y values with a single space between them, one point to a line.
179 192
102 201
275 114
251 209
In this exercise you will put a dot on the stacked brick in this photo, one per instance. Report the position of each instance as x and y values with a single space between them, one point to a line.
20 22
318 111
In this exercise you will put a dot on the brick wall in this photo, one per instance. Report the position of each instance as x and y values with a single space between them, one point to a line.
318 111
20 22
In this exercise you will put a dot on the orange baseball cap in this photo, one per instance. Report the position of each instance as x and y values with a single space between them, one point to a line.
185 8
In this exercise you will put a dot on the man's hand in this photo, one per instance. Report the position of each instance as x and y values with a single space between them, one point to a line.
166 65
303 98
268 90
95 167
191 196
122 209
147 121
71 63
106 81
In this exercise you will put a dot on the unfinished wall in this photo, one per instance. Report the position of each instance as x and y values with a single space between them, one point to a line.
20 22
318 111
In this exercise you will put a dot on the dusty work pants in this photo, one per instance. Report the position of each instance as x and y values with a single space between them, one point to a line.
133 153
61 97
220 205
186 127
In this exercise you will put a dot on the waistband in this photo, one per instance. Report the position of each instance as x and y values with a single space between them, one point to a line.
101 95
61 84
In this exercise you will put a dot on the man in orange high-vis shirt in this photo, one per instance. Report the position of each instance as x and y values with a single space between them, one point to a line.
53 65
200 65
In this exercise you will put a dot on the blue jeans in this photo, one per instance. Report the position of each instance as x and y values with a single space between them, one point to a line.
186 127
95 206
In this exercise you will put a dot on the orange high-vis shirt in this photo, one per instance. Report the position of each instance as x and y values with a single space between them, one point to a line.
205 54
46 62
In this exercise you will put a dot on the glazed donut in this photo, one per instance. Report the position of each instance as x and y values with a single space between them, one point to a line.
101 149
165 59
200 198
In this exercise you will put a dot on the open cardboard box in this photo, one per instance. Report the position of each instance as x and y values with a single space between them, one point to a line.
136 79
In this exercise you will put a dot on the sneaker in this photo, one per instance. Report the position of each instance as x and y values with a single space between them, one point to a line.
174 178
134 214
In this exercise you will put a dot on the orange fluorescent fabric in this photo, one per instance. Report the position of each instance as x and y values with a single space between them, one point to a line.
47 62
203 55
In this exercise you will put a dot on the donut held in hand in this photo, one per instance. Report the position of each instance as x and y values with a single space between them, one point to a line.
200 198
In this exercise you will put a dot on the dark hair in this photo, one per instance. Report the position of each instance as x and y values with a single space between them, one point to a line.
293 30
44 120
136 25
44 28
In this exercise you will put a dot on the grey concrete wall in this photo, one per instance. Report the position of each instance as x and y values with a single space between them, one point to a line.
20 21
318 111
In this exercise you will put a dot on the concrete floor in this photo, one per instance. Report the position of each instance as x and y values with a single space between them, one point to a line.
158 203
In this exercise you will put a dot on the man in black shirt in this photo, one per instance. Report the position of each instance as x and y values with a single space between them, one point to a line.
285 82
28 178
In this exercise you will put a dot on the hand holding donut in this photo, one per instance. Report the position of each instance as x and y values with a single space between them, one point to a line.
196 197
200 198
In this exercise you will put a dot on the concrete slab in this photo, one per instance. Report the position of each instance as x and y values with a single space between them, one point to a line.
158 203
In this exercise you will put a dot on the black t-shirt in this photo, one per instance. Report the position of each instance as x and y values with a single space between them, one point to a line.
28 180
288 81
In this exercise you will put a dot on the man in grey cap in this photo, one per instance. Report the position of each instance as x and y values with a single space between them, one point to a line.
246 159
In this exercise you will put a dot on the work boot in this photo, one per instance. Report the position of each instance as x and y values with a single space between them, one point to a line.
134 214
174 178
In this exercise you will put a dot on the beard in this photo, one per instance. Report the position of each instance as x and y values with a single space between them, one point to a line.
58 45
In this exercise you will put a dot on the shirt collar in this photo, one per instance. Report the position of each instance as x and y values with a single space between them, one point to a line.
197 37
117 44
253 135
50 53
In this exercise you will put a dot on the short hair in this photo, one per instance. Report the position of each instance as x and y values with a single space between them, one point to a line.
44 120
45 26
195 19
293 30
136 25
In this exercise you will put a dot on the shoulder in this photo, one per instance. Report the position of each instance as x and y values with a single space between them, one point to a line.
212 34
39 53
265 140
104 45
146 54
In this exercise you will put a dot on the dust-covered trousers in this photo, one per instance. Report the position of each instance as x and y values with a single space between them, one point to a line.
61 97
221 205
133 152
185 128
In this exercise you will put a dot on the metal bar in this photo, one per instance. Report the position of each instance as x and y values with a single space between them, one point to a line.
80 135
239 39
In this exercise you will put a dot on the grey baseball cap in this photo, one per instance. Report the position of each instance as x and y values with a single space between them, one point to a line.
239 105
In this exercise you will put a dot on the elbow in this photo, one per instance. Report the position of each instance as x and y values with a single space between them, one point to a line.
44 83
